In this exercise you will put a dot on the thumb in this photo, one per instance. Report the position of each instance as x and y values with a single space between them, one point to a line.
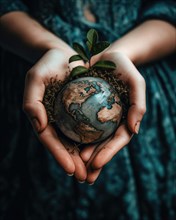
37 115
137 105
134 118
32 102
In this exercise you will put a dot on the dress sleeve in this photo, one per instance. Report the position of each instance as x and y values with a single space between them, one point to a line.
12 5
163 10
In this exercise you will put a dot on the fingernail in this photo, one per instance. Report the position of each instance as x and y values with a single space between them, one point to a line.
90 184
69 174
137 125
36 124
81 181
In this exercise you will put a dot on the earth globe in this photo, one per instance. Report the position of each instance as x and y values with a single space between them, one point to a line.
87 110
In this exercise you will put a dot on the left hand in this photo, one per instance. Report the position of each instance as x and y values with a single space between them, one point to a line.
96 156
53 64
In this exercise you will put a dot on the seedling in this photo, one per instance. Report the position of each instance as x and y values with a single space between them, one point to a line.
94 47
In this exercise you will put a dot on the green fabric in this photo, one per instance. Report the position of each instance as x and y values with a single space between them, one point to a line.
138 184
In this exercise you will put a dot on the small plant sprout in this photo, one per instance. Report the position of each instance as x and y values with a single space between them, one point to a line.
94 47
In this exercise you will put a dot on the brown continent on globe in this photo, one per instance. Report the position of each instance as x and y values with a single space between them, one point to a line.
89 105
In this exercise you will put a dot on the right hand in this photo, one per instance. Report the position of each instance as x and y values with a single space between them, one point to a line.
53 64
96 157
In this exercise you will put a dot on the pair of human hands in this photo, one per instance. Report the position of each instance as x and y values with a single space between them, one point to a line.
86 164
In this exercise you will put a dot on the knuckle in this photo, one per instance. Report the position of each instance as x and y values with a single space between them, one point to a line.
97 164
142 110
141 80
27 107
125 139
30 74
33 74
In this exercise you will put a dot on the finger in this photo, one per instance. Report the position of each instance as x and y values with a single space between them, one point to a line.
80 169
97 148
49 138
137 107
86 153
92 175
32 102
105 154
137 94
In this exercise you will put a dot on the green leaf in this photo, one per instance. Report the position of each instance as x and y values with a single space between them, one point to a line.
99 47
92 36
78 70
80 50
106 64
89 45
75 58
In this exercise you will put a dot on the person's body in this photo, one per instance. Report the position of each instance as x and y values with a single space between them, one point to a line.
138 182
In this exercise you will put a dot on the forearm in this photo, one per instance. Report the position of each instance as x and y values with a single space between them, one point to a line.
150 41
25 37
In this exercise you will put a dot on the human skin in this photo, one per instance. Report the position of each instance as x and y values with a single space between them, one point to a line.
50 55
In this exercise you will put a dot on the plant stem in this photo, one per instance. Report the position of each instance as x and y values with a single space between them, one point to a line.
90 62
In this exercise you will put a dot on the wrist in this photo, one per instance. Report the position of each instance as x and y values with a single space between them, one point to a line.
58 45
62 46
121 49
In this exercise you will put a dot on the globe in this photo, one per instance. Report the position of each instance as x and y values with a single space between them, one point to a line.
87 110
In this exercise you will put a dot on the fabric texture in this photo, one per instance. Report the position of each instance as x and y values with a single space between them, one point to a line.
138 184
10 5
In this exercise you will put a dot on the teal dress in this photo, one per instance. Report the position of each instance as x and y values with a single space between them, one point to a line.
138 183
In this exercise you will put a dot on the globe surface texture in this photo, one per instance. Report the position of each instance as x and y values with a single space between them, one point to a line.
87 110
